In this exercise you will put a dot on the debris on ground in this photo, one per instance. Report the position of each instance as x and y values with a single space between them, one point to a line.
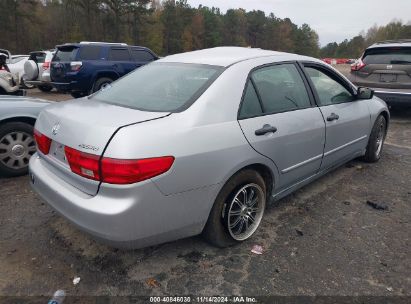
257 249
11 252
299 232
347 203
76 280
359 167
390 289
377 206
153 283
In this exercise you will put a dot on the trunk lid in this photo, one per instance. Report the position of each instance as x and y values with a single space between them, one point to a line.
87 126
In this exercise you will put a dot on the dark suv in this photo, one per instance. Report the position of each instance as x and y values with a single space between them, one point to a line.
83 68
386 68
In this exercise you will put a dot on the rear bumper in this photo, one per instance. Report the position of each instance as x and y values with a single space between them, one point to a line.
131 216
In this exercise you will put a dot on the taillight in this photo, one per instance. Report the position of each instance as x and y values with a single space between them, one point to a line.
42 141
116 171
76 65
46 65
119 171
84 164
357 65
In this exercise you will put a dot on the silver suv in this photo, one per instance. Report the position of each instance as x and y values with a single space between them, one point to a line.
37 70
386 68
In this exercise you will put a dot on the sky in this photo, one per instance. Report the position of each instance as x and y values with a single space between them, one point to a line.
333 20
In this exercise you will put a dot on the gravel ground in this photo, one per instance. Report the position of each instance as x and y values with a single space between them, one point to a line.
323 240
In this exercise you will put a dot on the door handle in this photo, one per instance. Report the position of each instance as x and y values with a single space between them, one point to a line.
265 129
332 117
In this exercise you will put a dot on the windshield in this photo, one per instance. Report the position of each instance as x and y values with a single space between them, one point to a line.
388 56
161 87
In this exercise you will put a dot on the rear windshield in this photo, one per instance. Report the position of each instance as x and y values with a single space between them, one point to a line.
161 87
388 56
65 54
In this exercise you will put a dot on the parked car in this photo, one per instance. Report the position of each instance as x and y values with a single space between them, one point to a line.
9 82
37 70
199 142
17 118
386 68
84 68
16 66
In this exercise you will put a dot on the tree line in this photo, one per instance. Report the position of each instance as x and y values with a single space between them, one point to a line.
166 27
355 47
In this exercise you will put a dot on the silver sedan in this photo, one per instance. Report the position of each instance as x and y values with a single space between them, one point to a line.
199 143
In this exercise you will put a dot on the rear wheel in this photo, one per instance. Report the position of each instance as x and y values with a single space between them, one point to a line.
376 140
101 82
45 88
16 147
78 94
237 211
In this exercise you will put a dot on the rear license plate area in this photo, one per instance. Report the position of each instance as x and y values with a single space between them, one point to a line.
57 152
388 77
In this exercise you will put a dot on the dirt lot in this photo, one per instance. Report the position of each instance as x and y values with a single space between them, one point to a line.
323 240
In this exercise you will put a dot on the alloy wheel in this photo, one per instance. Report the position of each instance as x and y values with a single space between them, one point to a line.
245 212
16 148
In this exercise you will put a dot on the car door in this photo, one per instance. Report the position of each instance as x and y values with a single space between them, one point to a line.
121 61
280 121
347 119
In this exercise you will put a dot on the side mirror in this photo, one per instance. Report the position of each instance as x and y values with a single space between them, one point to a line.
365 93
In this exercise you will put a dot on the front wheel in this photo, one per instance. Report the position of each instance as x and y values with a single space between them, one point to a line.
376 140
237 211
16 147
78 94
100 83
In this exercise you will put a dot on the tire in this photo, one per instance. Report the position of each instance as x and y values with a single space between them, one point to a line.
100 82
376 140
45 88
223 215
16 147
78 94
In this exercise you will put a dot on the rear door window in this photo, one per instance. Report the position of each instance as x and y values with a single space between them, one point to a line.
400 55
280 88
119 54
90 52
141 55
65 54
251 106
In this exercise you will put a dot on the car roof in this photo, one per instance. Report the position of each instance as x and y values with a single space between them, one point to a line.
226 56
84 43
391 43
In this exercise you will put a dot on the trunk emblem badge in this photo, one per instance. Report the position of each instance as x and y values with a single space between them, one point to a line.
55 128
